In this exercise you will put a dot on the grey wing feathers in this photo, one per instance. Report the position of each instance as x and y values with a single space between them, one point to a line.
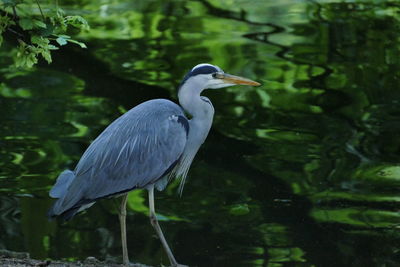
134 151
62 184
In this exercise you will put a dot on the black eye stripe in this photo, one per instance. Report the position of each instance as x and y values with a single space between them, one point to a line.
207 69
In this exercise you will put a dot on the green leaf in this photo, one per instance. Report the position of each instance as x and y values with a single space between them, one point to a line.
5 22
78 22
52 47
82 45
31 59
26 56
57 21
39 23
61 41
29 24
40 41
26 24
48 31
46 55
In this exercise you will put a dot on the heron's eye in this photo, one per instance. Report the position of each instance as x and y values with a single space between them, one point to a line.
214 75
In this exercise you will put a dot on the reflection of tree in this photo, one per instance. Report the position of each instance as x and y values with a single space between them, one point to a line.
240 16
43 122
335 121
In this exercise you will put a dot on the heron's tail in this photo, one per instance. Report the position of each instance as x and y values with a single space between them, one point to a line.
61 187
60 190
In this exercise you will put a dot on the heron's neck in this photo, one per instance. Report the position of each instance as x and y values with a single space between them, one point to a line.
202 113
199 107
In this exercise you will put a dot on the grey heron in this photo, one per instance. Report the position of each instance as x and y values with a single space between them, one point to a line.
144 148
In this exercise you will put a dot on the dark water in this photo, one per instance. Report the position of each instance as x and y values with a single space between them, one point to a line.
302 171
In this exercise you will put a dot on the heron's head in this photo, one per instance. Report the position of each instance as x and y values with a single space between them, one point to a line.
207 76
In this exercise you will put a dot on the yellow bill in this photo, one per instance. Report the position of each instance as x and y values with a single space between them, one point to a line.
228 78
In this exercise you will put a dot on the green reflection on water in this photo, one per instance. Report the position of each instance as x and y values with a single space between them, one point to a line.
299 171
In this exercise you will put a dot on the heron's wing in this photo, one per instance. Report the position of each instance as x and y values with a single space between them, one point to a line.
134 151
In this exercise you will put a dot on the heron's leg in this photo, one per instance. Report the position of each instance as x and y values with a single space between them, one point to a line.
122 221
154 223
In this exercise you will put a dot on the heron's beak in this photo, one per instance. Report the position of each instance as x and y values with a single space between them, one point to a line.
227 78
